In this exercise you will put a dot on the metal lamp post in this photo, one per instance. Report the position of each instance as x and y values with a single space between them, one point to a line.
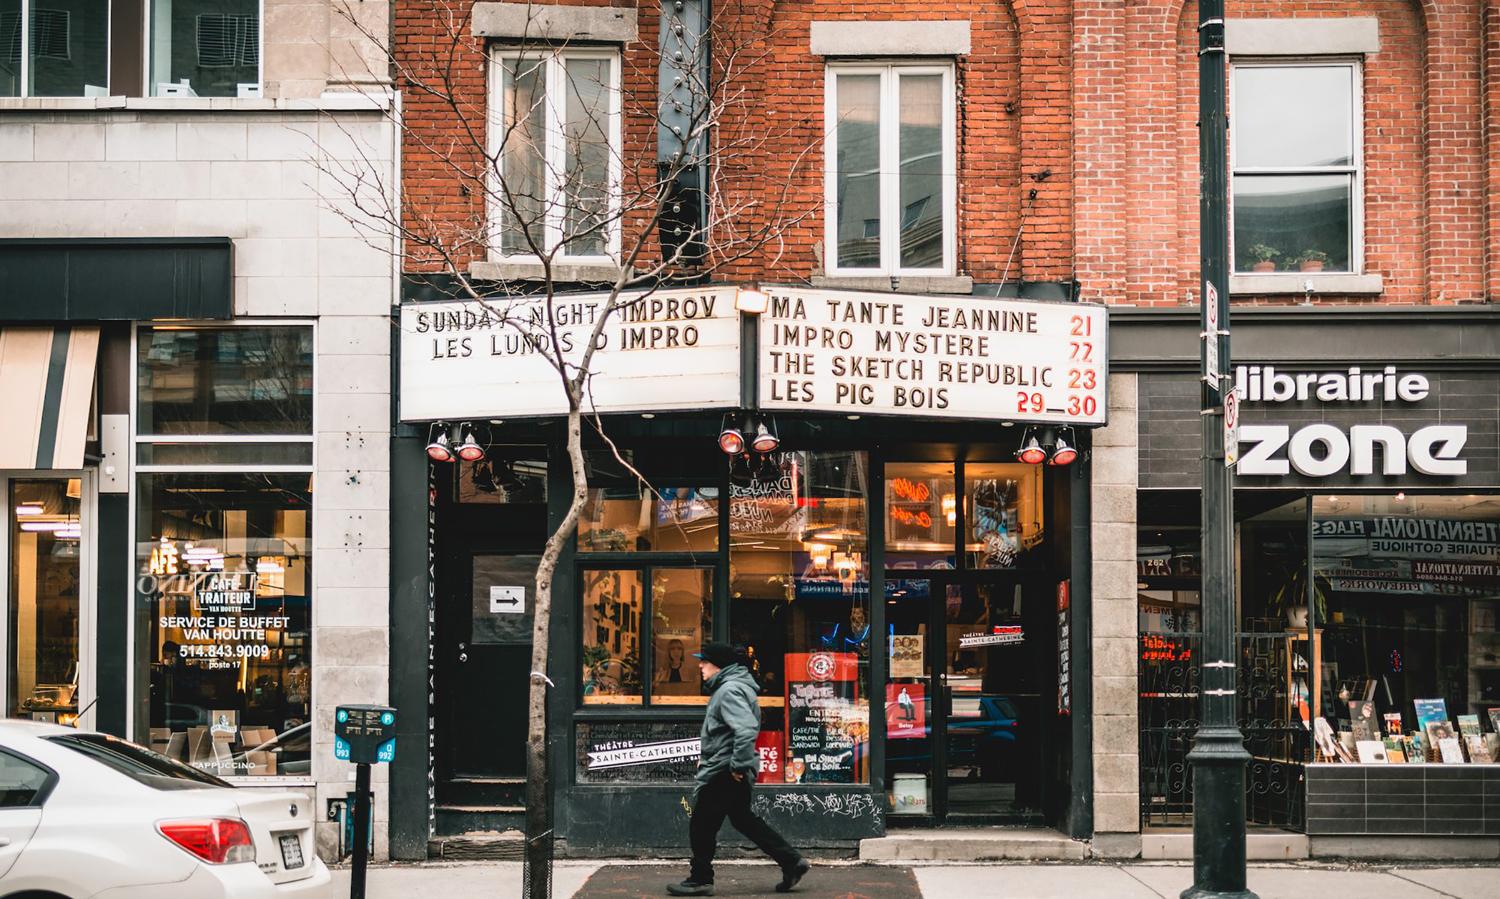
1218 756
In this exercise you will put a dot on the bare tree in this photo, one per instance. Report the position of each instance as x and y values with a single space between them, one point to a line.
562 155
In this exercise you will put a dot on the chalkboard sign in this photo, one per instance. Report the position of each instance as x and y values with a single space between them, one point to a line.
826 727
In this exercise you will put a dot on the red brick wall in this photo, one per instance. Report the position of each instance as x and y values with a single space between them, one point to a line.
1012 140
1427 212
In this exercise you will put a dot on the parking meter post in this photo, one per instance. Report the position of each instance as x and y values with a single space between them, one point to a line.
361 812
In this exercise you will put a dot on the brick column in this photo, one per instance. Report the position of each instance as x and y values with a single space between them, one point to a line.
1116 730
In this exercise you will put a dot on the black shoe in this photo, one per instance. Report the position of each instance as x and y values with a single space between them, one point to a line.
790 876
691 888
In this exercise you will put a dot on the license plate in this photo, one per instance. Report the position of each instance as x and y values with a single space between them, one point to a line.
291 851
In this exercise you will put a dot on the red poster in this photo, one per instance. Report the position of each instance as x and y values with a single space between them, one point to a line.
826 729
768 749
905 711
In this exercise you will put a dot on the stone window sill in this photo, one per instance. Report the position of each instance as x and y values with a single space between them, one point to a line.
960 284
331 102
1293 283
562 272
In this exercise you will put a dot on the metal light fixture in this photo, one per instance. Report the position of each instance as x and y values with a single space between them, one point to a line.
470 450
1062 453
1031 451
765 440
732 441
440 449
751 300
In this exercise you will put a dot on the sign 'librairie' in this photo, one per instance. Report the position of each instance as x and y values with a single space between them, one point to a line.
662 350
950 357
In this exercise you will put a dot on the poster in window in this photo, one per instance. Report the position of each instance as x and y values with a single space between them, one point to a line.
906 655
826 729
905 711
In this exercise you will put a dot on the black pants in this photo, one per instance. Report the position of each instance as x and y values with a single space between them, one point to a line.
726 797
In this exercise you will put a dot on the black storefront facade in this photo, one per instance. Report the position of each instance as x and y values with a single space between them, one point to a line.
913 599
1368 536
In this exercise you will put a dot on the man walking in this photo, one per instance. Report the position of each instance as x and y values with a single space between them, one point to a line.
728 767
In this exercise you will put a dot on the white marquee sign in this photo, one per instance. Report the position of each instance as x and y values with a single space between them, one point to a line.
669 349
947 357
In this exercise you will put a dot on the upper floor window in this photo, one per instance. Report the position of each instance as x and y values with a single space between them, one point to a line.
205 48
48 51
92 48
1295 145
889 172
555 152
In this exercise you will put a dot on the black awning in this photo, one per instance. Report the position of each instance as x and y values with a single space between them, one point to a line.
116 279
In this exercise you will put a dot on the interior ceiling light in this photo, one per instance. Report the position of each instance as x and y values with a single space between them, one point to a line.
1031 452
441 448
765 440
470 450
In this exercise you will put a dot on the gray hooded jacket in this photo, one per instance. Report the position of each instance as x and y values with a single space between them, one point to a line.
729 725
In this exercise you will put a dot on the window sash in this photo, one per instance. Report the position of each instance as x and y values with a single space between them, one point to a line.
23 39
891 212
556 92
647 571
1355 169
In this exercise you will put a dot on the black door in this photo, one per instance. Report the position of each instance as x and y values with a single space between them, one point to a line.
972 659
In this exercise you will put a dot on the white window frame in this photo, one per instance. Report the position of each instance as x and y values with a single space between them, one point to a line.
1357 150
890 169
134 469
25 66
555 156
148 77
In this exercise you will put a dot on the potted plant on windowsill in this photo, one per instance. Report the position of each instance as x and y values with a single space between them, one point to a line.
1264 256
1290 599
1312 260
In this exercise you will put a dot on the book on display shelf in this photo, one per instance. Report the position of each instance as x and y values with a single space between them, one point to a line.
1468 725
1362 721
1392 724
1371 752
1494 714
1450 751
1395 751
1430 710
1479 749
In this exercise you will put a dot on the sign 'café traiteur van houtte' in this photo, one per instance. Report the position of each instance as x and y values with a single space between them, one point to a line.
831 474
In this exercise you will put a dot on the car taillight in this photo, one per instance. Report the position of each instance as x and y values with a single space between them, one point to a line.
218 841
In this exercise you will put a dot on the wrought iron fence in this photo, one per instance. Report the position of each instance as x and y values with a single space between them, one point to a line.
1274 735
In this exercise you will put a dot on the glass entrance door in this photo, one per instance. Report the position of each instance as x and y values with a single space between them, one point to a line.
964 720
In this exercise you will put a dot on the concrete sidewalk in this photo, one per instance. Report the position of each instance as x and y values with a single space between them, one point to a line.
1161 880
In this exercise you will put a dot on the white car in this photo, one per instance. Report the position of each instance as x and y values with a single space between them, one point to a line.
88 816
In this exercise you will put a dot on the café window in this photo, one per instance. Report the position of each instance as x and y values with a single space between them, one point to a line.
640 629
800 605
223 537
46 533
555 131
50 49
889 170
1295 152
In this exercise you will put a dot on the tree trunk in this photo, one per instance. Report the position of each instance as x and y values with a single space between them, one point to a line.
538 779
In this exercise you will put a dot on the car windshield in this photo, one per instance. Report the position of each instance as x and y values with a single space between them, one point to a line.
138 764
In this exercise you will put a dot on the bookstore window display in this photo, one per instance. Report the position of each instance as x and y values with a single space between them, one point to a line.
223 527
1411 652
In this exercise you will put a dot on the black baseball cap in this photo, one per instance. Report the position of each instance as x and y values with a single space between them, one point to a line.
721 654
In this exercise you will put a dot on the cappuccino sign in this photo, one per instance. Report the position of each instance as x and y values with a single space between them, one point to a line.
1320 449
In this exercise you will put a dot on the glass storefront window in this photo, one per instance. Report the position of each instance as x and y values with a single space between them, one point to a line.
224 591
1004 513
640 621
223 382
637 518
204 48
800 602
920 515
45 533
